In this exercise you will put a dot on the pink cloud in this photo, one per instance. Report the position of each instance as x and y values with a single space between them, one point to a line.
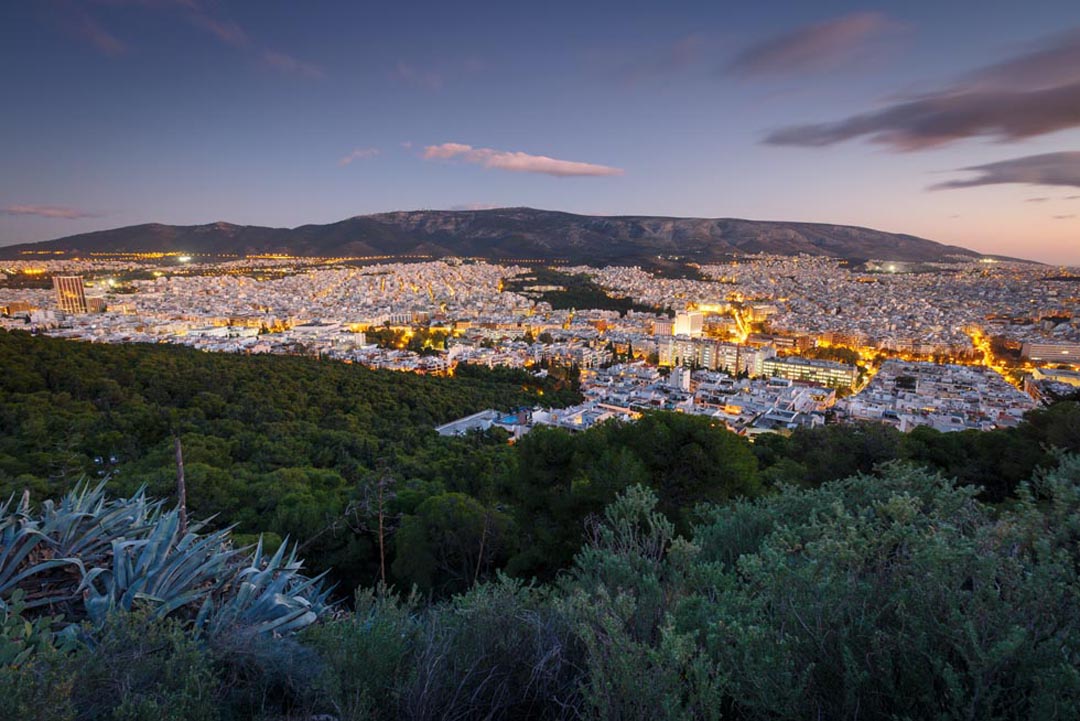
48 211
226 31
289 64
817 47
199 16
358 154
517 162
104 41
446 150
475 206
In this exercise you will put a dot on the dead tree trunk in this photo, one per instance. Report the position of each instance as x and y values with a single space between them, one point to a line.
181 487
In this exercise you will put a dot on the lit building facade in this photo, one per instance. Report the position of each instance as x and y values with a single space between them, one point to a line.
689 323
70 294
1052 352
836 375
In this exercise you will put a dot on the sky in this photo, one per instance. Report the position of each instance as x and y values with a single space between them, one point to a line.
957 121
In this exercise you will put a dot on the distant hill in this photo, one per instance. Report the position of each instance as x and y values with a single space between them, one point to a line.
514 233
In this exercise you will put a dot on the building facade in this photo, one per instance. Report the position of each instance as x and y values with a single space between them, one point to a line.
70 293
835 375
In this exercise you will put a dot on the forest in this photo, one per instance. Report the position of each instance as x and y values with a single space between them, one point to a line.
662 569
578 291
293 447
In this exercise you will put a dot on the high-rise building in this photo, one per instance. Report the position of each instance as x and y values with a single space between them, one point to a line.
70 295
689 323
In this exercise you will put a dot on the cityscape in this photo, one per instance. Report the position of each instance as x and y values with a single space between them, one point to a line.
764 343
573 361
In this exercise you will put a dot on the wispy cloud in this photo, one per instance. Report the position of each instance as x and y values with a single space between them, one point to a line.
1028 95
79 22
434 75
48 211
198 15
1036 200
675 57
225 31
358 154
409 74
1062 169
1064 217
475 206
289 64
516 162
813 48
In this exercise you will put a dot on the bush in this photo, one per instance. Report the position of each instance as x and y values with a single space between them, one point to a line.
368 656
498 651
137 669
35 682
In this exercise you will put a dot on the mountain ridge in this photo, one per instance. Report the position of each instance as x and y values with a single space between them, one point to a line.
512 233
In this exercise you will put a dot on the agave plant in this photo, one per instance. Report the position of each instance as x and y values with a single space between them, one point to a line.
85 521
26 555
162 569
88 555
266 595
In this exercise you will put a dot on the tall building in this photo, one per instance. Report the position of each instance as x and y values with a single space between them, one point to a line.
70 295
689 323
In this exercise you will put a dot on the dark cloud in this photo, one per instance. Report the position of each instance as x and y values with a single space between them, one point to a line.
1064 217
1054 62
1046 169
813 47
1036 200
941 119
1029 95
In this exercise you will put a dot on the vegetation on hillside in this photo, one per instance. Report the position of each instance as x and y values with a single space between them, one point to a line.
296 447
898 595
663 569
578 291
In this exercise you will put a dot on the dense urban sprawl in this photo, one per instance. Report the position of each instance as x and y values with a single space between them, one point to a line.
765 343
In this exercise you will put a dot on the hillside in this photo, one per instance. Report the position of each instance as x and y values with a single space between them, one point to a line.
513 233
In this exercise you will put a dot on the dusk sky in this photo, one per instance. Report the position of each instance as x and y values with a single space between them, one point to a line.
956 121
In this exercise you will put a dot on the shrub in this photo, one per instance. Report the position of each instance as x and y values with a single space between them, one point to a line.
35 682
134 668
